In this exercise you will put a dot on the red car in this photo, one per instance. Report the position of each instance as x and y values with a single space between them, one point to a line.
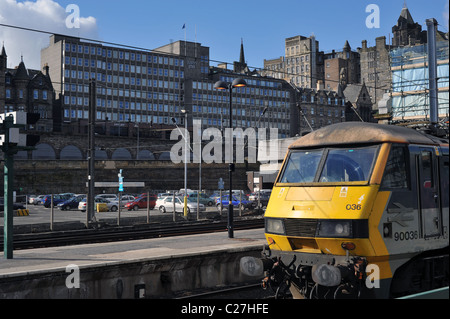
141 202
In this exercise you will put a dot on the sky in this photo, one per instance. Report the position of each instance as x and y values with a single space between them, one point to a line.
262 25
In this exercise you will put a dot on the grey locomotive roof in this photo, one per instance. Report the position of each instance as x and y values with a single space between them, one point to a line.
350 133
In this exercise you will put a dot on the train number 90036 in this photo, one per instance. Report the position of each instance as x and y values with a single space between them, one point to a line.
407 235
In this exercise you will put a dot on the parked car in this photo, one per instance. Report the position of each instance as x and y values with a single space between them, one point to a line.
161 200
58 198
141 202
31 199
124 199
16 206
235 202
264 197
112 206
161 195
39 200
203 199
71 203
167 205
108 196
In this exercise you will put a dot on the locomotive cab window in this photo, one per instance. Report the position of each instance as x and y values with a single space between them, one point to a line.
348 165
301 166
337 165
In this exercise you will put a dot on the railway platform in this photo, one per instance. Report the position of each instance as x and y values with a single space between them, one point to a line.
148 268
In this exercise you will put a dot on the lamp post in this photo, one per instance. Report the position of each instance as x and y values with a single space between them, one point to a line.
221 85
186 145
185 162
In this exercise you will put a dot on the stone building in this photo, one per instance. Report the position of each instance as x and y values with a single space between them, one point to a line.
341 68
27 90
358 102
274 68
319 108
302 64
375 60
407 31
375 67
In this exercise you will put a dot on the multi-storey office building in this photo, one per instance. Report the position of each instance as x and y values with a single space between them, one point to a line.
263 103
152 87
132 85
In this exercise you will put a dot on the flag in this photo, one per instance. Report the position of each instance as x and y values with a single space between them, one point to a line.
184 26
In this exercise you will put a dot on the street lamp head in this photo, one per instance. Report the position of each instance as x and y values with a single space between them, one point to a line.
221 85
239 82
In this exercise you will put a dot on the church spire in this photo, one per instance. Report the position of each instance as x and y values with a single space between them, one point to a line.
3 50
405 16
242 57
3 58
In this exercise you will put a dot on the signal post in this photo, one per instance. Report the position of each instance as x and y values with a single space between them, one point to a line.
11 142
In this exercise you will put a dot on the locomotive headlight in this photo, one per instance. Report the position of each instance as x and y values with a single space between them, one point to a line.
335 228
275 226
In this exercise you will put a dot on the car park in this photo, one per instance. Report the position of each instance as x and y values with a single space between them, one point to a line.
167 205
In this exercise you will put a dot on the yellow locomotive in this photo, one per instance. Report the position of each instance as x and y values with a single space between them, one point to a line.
359 210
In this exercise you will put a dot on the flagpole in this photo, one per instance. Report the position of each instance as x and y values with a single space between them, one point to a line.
185 43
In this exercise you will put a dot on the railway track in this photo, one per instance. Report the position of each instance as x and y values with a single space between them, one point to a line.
123 233
245 291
